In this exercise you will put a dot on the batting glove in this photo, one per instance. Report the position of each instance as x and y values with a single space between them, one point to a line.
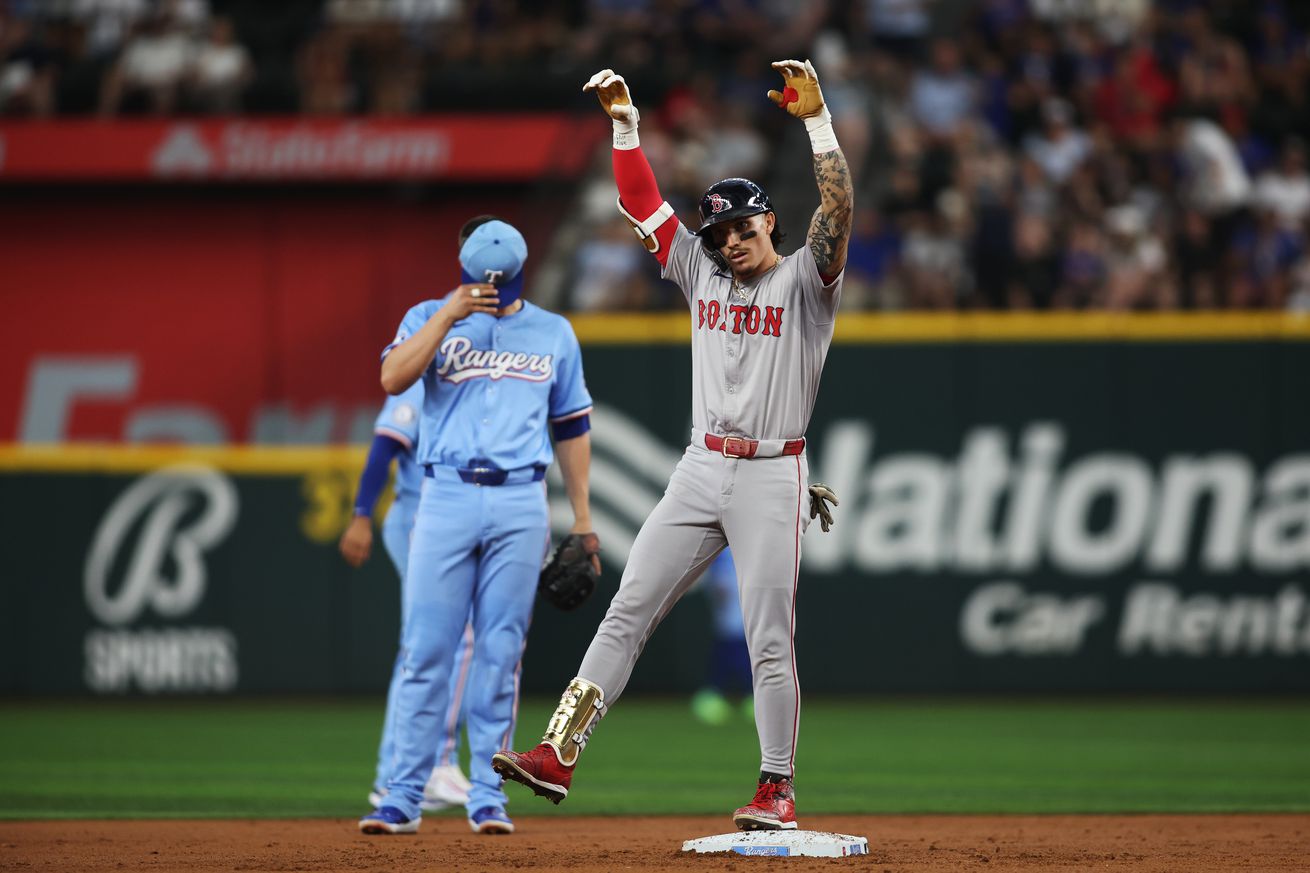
802 97
819 493
612 92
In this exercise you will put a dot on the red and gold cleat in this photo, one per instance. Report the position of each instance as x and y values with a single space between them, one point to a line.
539 768
774 808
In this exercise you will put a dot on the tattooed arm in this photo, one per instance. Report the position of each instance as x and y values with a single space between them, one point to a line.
830 229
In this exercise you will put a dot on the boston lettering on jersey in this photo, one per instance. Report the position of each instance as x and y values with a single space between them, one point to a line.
711 315
461 362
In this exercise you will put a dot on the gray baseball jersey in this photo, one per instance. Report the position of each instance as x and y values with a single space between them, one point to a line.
757 354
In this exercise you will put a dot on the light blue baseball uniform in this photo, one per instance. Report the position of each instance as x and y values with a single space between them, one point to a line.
491 394
399 420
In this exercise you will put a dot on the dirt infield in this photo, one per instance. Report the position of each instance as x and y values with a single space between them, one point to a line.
897 843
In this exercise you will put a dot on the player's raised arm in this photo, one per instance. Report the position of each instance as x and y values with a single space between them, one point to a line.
640 201
405 360
830 229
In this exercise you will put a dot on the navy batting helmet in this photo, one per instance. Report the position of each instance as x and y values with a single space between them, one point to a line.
730 199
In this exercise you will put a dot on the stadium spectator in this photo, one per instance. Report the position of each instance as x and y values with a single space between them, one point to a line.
1134 263
220 71
1284 190
1061 146
1131 101
148 75
323 72
899 27
872 261
108 23
609 267
1298 299
934 255
1265 253
943 96
27 69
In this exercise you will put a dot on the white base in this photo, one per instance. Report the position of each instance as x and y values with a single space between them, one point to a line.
787 844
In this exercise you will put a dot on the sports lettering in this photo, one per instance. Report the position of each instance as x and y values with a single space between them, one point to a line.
711 315
461 362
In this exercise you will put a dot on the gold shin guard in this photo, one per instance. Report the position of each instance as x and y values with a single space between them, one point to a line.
579 709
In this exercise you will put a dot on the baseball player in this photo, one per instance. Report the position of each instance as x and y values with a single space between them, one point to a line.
395 436
761 326
500 377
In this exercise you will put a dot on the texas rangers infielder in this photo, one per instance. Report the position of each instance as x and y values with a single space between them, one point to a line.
501 377
761 326
395 436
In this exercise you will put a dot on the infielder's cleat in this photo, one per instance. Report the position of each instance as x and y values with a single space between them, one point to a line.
389 820
447 786
491 820
774 808
539 769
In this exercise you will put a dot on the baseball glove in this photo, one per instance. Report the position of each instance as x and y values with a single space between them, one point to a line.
570 575
818 508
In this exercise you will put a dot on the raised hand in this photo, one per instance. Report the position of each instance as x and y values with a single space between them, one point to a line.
468 299
612 92
800 94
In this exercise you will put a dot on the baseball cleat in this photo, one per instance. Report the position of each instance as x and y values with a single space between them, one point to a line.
389 820
539 769
447 786
774 808
491 820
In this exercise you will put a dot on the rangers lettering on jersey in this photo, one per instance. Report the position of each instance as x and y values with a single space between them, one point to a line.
765 320
461 362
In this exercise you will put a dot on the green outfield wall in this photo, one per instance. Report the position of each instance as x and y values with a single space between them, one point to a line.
1114 509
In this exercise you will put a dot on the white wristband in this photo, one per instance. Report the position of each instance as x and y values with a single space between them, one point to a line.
625 132
625 136
822 137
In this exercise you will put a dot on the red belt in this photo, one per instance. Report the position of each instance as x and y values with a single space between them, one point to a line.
740 447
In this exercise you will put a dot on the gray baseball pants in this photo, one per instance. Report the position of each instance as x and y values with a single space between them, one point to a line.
756 506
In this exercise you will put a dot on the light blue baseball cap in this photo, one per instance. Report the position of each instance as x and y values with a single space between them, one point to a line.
495 253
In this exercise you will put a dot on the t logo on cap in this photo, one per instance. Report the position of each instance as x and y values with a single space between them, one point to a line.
495 251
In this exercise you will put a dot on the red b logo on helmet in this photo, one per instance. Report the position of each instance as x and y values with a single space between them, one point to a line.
717 203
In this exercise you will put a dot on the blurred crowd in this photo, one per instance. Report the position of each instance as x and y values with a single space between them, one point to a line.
1122 154
1023 154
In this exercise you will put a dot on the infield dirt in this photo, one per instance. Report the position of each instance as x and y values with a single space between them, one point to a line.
1263 842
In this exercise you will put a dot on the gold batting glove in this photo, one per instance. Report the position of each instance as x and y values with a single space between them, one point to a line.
820 496
800 94
612 92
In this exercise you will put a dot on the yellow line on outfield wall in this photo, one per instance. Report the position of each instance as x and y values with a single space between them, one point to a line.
117 458
917 327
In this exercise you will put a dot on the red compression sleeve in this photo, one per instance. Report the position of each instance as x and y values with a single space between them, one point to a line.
641 195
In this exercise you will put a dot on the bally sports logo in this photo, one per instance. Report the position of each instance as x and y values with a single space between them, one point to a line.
147 563
461 362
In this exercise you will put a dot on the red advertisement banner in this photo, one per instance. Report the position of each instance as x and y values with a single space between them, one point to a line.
493 147
206 321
